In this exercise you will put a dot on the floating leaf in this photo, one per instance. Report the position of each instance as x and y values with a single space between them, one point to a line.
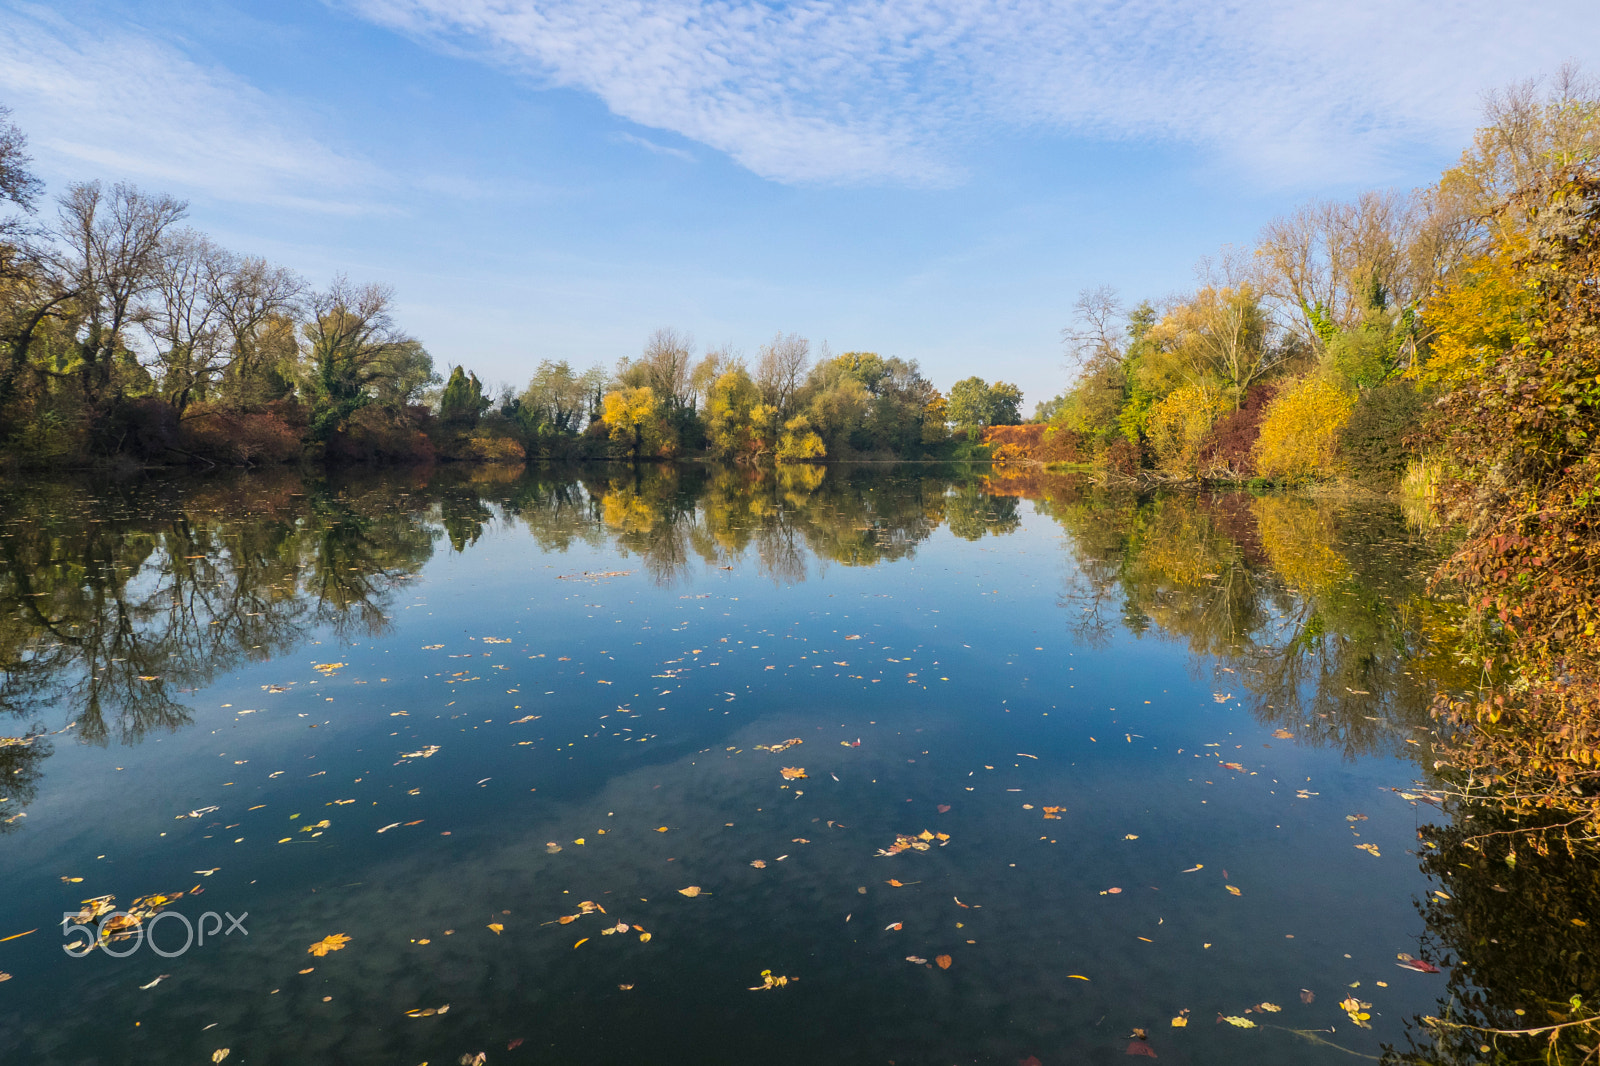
1418 965
221 1052
1371 849
692 891
943 808
793 773
1232 890
1180 1022
1307 996
335 942
1139 1047
496 928
944 961
1242 1023
1270 1008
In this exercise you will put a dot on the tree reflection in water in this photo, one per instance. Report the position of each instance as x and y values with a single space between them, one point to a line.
117 601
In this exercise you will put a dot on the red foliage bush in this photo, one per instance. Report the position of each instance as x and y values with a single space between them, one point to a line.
1226 451
223 435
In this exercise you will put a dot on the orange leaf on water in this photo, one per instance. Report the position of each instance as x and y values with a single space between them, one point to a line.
944 961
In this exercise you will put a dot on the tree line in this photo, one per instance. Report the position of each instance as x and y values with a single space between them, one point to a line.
1318 352
124 333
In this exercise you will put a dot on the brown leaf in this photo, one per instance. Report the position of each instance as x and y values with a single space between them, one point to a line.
944 961
1306 995
1139 1047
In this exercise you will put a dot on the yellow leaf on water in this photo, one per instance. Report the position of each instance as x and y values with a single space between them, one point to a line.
496 928
1233 891
1077 977
792 773
568 919
580 943
662 829
692 891
1179 1022
221 1052
1242 1023
1271 1008
644 938
335 942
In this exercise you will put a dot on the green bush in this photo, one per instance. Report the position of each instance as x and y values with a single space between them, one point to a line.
1373 442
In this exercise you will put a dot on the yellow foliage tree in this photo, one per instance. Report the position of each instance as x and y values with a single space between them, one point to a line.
1178 425
636 419
1299 438
800 443
729 402
1485 309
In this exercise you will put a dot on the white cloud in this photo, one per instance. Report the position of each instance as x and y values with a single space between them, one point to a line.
892 90
651 146
112 102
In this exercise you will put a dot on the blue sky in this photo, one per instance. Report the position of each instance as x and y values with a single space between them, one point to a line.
935 180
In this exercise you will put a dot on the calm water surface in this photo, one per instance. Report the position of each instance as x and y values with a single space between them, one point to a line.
1147 751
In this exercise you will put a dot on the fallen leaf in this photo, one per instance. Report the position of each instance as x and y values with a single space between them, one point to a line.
793 773
1232 890
221 1052
580 943
1307 996
1180 1022
1370 849
335 942
1242 1023
759 864
1270 1008
692 891
1282 734
919 961
1418 965
496 928
1077 977
896 926
307 970
944 961
1139 1047
943 808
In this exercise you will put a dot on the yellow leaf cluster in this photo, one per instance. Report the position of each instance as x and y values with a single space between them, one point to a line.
1299 438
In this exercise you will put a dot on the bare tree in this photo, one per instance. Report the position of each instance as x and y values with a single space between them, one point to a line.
110 255
207 314
18 185
781 369
1097 337
665 363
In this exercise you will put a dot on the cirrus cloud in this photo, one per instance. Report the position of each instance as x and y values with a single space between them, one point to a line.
843 91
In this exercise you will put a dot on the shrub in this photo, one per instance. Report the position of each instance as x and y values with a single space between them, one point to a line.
1179 424
800 443
495 450
1373 442
222 435
1299 437
1122 458
1228 451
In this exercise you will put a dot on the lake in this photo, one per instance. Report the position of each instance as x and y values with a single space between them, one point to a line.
694 765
